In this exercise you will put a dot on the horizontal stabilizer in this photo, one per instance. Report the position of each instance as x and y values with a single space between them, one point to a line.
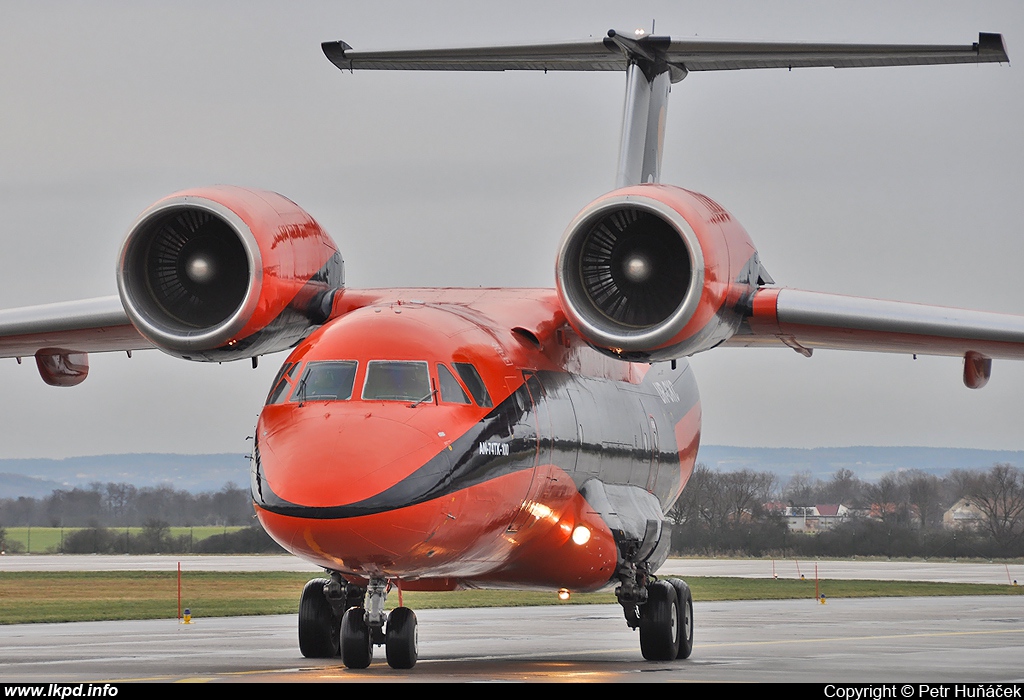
607 54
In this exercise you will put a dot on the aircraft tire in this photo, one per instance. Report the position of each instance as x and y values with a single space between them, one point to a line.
685 609
402 638
356 642
318 627
659 623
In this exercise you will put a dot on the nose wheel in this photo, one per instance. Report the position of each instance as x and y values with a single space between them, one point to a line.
402 639
361 628
356 639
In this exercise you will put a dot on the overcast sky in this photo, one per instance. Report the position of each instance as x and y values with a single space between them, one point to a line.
902 183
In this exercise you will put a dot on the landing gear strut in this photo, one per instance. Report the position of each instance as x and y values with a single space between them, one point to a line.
661 609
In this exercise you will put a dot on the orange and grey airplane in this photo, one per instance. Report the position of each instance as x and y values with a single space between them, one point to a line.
433 439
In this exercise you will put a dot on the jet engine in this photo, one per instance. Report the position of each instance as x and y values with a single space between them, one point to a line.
225 273
655 272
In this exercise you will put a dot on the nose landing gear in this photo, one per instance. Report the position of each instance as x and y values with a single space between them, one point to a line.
333 621
361 629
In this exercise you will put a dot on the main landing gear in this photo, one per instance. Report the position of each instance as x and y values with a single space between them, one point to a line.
662 609
333 621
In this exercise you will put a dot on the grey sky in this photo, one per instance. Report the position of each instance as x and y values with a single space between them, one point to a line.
901 183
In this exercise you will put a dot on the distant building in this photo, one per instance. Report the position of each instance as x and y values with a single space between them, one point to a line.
963 515
815 518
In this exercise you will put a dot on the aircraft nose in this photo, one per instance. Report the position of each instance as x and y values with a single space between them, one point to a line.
333 459
357 491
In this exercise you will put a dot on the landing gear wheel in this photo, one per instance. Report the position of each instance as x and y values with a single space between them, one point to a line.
659 623
318 627
356 646
685 608
402 640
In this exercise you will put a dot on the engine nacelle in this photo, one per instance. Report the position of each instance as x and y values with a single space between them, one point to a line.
655 272
225 273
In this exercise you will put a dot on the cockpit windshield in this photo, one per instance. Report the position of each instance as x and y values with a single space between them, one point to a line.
474 383
326 381
384 380
396 380
451 390
282 383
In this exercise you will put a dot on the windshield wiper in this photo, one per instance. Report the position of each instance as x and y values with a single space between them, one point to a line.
425 398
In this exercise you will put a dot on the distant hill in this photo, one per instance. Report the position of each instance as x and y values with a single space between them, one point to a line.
868 463
193 473
197 473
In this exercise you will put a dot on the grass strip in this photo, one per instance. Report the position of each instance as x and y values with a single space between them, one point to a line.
136 595
49 539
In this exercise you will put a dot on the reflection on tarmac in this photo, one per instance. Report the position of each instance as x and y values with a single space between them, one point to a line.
852 640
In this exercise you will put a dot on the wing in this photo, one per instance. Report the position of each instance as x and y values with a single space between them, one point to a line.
806 321
60 335
87 325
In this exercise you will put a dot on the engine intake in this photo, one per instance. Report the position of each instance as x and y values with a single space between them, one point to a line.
226 273
645 272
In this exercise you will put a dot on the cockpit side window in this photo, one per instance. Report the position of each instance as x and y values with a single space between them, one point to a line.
474 383
326 381
451 390
396 380
282 383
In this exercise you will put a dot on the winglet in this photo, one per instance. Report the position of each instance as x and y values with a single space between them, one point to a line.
993 47
335 52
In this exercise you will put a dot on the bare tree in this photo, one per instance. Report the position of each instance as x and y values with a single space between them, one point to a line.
889 501
924 492
800 489
844 487
716 499
691 508
999 494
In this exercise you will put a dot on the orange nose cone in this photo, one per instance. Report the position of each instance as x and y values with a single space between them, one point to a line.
330 457
353 490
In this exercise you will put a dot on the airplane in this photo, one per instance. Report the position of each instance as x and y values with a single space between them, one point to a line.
434 439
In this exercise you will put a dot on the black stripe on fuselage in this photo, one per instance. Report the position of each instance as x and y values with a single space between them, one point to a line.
588 426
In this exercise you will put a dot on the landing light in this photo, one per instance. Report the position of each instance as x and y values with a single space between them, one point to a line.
581 535
563 594
540 511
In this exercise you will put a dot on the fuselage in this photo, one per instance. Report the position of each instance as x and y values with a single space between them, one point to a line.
450 438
